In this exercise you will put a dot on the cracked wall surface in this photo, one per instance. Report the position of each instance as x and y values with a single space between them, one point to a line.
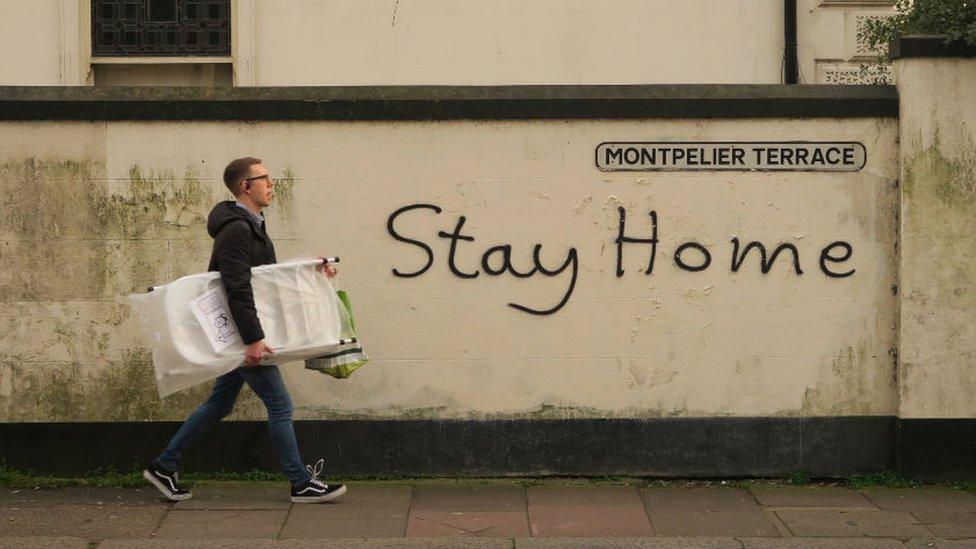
95 211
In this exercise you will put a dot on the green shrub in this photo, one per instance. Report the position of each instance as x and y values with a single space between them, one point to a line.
956 19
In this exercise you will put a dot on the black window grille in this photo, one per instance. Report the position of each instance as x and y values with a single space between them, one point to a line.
160 27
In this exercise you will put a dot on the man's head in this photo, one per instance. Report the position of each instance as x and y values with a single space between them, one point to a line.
249 181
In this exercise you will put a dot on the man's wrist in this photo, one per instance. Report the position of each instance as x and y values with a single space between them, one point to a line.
253 339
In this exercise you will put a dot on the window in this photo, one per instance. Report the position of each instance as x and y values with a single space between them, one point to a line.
160 28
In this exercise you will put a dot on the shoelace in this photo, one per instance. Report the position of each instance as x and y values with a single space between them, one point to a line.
316 471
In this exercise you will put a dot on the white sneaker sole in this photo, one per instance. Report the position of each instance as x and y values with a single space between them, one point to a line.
163 489
319 499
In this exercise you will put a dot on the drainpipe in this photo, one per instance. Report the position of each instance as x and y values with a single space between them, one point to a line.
790 69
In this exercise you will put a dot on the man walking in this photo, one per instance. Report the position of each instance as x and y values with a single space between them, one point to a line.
241 242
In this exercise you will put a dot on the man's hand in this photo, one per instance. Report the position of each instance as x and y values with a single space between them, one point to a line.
254 352
327 269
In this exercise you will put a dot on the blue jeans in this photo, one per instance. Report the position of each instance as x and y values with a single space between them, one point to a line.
267 383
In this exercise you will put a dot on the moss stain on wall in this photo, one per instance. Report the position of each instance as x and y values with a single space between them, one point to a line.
120 389
939 300
282 210
843 388
941 188
66 218
123 389
78 236
285 187
937 185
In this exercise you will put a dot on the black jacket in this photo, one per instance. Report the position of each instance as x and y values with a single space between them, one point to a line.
239 244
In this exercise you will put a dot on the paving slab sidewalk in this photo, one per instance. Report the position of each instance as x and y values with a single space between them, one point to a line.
493 513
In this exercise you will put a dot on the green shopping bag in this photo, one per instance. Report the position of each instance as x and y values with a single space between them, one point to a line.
347 357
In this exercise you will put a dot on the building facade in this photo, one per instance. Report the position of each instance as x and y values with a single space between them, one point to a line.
404 42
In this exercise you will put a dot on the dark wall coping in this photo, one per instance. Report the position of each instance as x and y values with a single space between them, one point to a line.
932 45
693 101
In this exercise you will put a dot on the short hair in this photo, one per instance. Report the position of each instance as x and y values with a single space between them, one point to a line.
237 171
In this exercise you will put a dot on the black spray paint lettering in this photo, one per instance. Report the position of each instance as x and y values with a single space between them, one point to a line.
504 251
507 265
679 257
419 244
690 256
452 255
764 265
825 256
686 258
621 240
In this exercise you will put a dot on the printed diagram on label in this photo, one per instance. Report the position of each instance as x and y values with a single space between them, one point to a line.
213 313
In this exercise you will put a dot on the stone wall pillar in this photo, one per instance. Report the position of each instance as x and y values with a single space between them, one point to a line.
937 277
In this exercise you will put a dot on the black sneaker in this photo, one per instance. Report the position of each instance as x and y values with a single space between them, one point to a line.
167 482
314 490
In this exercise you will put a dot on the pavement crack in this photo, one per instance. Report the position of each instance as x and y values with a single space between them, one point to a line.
780 524
162 519
406 521
284 522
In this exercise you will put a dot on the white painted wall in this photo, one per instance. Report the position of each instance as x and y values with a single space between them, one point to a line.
364 42
827 40
130 210
30 43
370 42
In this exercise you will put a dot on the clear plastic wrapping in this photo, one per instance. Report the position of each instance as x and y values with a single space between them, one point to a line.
297 305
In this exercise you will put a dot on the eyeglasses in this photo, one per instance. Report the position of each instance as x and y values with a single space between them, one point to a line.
266 177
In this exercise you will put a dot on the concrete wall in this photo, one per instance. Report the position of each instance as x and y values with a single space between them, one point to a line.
95 210
938 174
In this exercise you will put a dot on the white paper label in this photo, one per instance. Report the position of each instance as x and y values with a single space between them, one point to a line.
213 313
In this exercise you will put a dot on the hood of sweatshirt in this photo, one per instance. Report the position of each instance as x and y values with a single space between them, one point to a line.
225 212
